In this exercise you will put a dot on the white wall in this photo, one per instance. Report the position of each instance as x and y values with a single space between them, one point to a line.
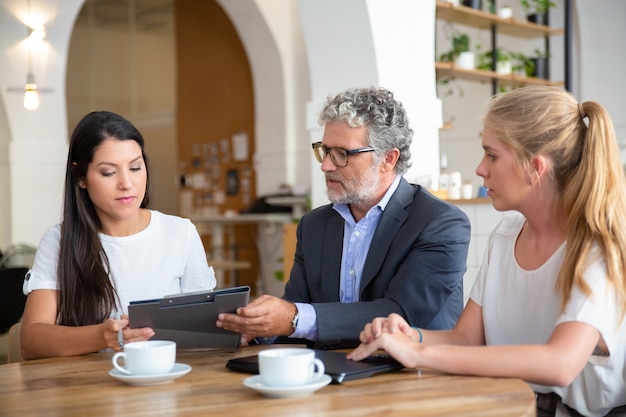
601 33
5 180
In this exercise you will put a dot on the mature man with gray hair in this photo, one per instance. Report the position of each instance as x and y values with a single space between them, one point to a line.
382 246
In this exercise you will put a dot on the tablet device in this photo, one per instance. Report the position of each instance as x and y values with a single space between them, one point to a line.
189 318
337 365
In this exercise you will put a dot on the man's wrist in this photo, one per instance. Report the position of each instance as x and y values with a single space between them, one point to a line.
294 320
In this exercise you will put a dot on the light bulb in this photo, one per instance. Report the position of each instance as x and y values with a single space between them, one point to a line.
31 97
37 33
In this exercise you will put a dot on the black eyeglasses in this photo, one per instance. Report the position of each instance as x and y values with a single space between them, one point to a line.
339 156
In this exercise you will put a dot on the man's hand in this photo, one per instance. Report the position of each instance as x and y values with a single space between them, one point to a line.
263 317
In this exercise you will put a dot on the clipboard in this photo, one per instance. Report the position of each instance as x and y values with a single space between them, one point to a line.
189 318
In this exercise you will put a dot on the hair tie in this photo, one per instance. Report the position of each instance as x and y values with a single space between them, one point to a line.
581 111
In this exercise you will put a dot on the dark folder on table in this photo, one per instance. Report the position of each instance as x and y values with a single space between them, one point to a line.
189 319
336 365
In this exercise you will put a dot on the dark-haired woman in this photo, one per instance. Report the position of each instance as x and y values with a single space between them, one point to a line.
108 249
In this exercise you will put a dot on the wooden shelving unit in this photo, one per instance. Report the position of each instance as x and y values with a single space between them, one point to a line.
482 20
447 69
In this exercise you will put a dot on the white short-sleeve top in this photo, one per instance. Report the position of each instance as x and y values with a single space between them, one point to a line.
523 307
167 257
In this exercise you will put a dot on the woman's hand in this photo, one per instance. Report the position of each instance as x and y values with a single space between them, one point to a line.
112 327
397 344
391 324
392 334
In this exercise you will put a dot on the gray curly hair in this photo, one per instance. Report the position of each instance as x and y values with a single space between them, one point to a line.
384 118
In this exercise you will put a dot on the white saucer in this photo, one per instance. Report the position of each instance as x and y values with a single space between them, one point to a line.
256 384
177 371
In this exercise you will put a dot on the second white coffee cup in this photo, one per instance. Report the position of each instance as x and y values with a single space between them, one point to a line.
150 357
288 367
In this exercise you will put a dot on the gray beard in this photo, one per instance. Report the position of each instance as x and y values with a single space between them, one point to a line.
364 188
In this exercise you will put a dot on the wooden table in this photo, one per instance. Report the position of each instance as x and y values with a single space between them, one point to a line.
81 386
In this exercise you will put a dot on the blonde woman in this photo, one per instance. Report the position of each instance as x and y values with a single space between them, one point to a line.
549 301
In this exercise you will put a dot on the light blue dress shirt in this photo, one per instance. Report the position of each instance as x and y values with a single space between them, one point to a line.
357 238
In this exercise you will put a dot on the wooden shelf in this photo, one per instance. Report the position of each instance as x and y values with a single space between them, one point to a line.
468 16
447 69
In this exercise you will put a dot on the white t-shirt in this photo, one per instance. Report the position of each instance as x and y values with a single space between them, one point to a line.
167 257
523 307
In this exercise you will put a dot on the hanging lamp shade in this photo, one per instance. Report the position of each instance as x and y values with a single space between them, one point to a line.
36 34
31 95
31 92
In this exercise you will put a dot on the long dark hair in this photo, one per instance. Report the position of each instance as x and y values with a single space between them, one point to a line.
86 294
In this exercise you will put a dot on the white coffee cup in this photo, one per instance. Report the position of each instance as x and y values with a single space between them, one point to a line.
289 367
150 357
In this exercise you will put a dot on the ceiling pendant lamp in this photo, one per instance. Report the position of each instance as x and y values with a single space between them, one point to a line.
31 96
36 34
30 90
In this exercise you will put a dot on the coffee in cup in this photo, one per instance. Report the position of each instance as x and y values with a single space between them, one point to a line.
289 367
150 357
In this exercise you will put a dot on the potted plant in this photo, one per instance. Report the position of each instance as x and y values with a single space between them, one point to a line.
541 62
505 12
460 53
537 10
502 59
474 4
523 65
491 6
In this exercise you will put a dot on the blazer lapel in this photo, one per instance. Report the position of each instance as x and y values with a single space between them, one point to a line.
331 258
391 220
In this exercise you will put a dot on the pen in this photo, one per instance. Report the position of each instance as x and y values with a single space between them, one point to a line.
120 335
